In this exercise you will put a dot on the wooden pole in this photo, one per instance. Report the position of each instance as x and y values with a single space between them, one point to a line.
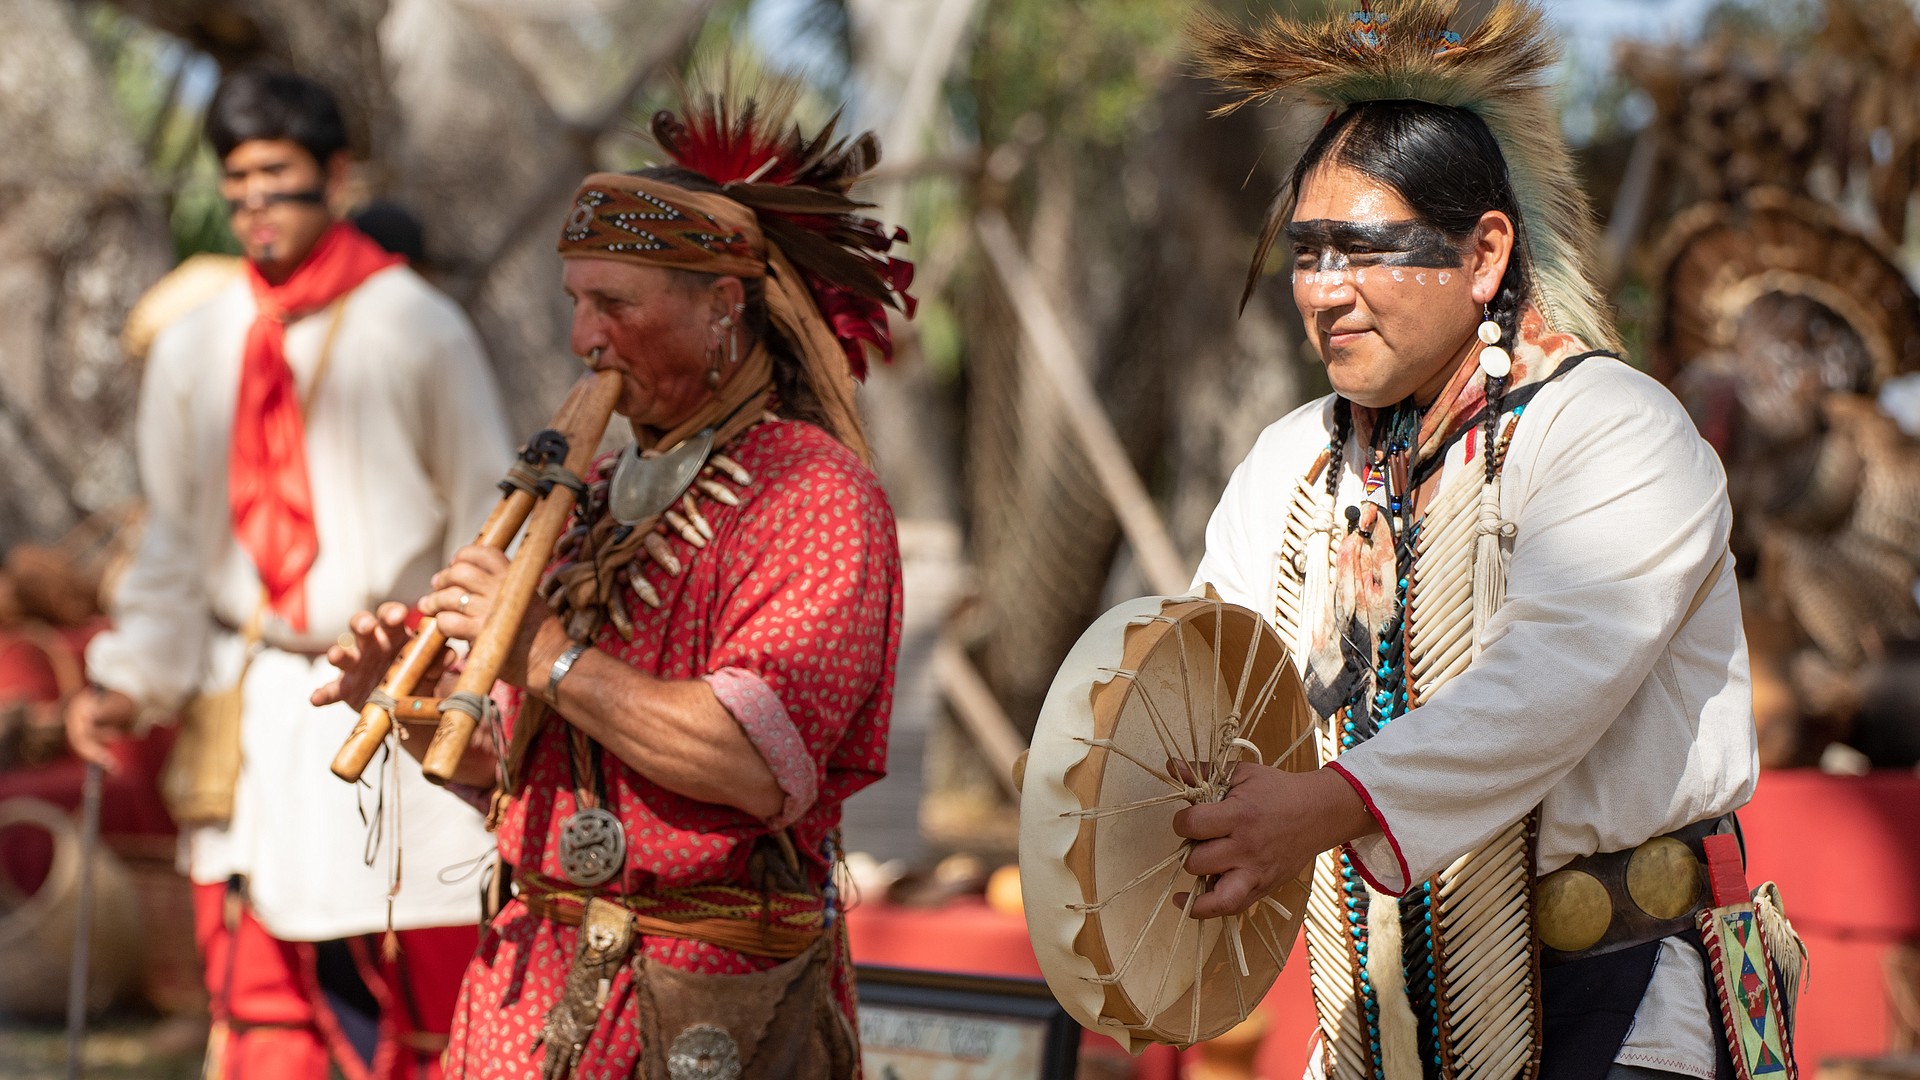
979 711
1058 363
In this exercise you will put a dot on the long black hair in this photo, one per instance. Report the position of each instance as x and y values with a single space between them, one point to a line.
1446 165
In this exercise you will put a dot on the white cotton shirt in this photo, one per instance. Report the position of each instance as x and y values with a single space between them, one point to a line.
405 438
1589 698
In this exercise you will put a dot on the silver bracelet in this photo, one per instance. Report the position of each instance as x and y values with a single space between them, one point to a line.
561 665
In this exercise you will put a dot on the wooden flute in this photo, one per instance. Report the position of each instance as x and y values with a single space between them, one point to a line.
573 437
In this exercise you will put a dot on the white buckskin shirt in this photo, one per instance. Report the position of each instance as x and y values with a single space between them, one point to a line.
405 440
1590 698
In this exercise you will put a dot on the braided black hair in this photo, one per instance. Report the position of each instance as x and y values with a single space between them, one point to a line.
1337 451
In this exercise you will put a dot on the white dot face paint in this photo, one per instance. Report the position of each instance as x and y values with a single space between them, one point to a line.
1444 276
1399 275
1420 279
1360 277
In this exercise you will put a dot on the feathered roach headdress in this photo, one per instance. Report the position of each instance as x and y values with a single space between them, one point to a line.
1408 51
797 188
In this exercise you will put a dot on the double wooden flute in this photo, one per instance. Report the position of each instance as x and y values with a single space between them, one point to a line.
534 499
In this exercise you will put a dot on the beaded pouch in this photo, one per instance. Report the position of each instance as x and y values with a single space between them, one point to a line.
1744 982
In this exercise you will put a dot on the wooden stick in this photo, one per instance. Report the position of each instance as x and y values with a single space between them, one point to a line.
83 923
978 711
1060 365
544 526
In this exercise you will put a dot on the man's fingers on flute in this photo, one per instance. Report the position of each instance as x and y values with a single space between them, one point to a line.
482 557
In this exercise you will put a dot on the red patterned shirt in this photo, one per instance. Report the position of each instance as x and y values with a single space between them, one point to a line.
793 612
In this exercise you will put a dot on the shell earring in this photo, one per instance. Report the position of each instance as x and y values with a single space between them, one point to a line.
1495 362
714 353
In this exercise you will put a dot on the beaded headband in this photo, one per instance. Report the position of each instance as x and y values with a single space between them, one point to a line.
633 219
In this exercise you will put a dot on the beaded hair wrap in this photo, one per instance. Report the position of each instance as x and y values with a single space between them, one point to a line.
1409 51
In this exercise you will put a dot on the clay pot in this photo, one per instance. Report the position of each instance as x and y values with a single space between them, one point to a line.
37 930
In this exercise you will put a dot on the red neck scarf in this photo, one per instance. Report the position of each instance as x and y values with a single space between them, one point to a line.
268 494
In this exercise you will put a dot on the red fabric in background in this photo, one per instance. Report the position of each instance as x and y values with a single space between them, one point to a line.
274 1031
1845 851
268 491
416 990
274 985
132 815
130 804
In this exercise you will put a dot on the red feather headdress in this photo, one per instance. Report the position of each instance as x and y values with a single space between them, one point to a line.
797 188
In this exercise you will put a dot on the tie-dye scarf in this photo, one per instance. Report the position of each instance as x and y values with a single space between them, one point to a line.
1400 452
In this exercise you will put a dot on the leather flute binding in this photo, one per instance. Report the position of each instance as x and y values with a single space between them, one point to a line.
581 421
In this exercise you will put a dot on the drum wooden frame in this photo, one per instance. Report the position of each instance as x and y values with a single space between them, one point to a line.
1107 896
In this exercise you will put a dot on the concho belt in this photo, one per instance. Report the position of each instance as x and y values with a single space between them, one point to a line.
1615 900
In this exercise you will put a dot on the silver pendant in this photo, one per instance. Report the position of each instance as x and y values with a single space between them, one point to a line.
703 1052
643 487
593 847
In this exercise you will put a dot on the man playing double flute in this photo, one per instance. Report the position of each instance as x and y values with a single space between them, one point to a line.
706 671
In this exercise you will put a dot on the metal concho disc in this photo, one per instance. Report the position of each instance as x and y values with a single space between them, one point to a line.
593 847
703 1052
644 487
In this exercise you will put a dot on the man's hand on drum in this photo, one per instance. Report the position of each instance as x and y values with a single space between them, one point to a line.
1265 831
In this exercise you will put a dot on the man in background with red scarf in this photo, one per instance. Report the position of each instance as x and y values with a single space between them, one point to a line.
318 438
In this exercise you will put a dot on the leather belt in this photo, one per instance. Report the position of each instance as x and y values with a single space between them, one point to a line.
753 936
1616 900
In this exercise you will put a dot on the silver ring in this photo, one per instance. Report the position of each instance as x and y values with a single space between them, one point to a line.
464 598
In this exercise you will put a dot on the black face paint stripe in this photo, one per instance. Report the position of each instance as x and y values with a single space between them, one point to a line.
1337 245
311 197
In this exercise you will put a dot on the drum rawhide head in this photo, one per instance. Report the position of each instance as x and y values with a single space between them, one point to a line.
1107 894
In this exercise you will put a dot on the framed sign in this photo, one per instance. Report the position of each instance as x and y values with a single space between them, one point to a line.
930 1025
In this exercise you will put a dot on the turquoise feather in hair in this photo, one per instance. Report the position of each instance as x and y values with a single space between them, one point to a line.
1410 51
